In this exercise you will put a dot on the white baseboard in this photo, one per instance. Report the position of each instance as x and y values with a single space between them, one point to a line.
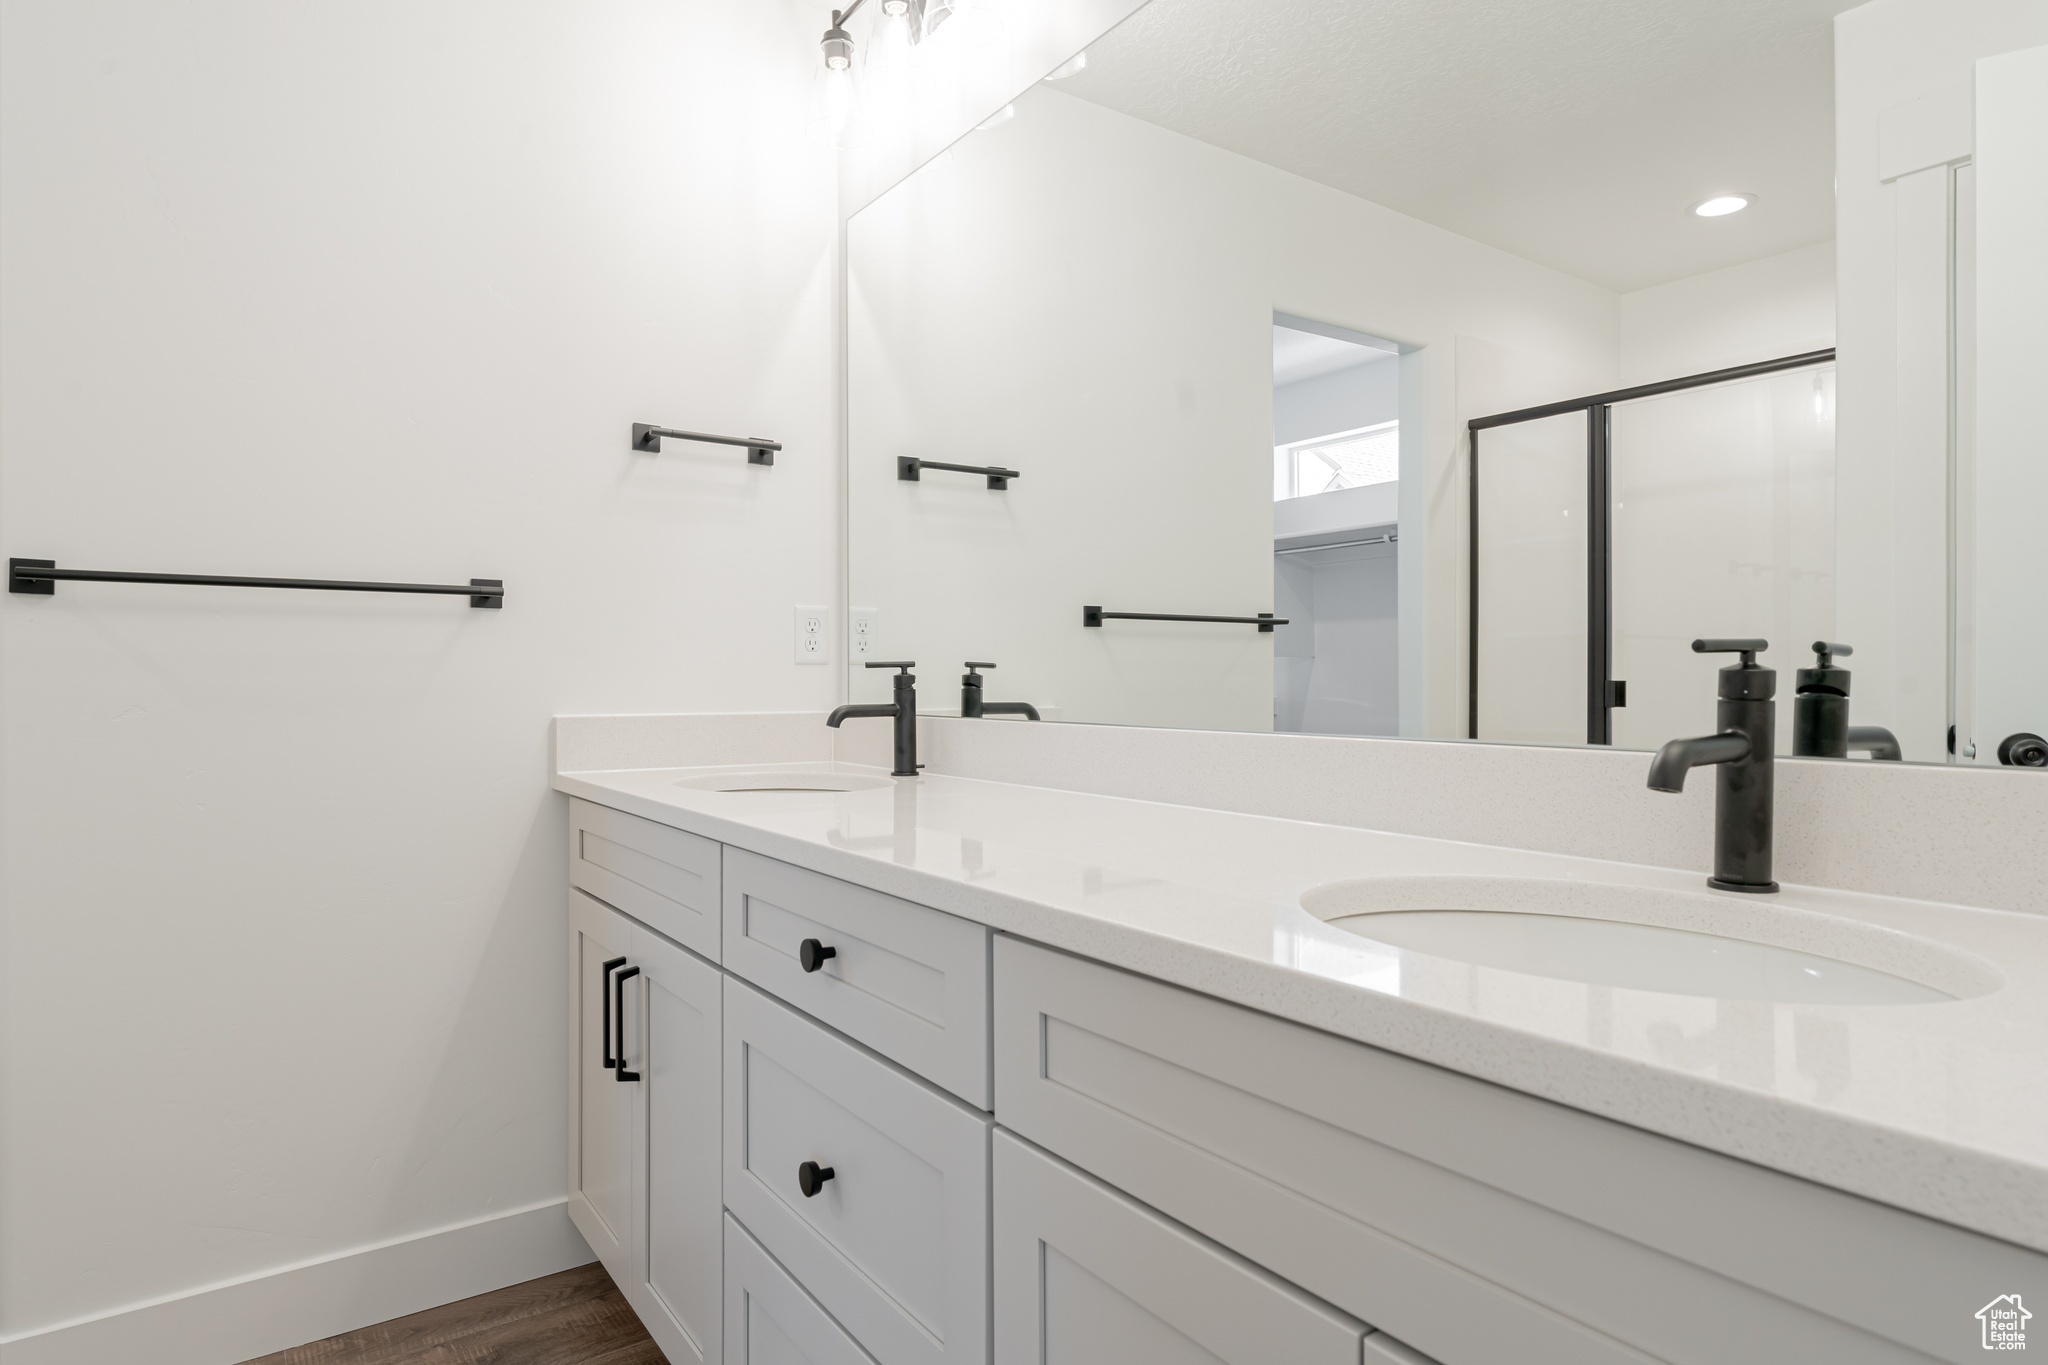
225 1324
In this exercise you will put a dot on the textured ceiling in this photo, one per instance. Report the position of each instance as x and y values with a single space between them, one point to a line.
1576 133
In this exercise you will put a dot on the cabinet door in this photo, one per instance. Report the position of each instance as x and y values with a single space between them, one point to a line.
1085 1275
601 1195
672 1041
769 1319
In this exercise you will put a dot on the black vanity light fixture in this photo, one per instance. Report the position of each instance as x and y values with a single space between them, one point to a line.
909 470
647 440
40 577
1265 620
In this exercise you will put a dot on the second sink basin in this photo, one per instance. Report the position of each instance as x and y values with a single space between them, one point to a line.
1652 940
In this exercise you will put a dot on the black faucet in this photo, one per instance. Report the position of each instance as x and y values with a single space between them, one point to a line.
1748 719
903 711
973 707
1820 713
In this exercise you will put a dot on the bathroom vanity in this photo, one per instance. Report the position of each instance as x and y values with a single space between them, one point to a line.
948 1070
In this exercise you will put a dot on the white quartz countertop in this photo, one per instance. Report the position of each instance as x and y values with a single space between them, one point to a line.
1937 1108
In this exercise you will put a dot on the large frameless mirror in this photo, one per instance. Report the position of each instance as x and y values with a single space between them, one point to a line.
1444 371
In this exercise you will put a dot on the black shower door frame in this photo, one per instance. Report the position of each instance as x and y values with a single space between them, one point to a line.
1602 691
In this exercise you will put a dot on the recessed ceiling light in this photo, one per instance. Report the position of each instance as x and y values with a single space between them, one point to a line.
1721 205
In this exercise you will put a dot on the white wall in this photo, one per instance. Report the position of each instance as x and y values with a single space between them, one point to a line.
1342 400
1903 73
2010 672
1759 310
366 291
1029 303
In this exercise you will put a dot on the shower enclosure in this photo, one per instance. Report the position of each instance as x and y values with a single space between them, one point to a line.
1608 532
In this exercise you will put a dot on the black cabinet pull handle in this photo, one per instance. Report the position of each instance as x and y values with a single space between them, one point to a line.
811 954
620 1003
605 1011
811 1177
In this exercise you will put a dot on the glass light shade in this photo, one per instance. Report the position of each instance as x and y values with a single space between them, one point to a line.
835 108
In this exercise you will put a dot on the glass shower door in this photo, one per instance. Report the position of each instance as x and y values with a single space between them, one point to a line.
1529 659
1723 524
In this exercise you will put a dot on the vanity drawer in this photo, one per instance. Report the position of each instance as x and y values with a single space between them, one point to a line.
906 980
1473 1222
895 1243
1085 1275
769 1320
666 878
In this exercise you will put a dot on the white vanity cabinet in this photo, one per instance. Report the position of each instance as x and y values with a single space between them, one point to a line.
936 1145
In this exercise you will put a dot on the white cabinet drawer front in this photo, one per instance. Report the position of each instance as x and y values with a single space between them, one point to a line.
895 1243
1430 1204
1086 1275
908 981
769 1319
667 878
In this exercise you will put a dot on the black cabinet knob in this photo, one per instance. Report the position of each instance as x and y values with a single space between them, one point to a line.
2023 751
811 954
811 1177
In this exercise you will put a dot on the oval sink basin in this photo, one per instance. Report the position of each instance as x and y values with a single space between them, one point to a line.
1650 940
785 782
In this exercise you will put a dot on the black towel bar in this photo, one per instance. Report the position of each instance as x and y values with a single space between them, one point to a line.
647 440
41 576
908 468
1265 620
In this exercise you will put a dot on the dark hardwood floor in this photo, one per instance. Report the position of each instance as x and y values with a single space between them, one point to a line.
575 1318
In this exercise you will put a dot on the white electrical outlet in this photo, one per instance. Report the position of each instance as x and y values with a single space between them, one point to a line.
866 634
811 644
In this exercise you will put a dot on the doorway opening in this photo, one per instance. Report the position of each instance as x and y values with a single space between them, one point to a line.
1336 525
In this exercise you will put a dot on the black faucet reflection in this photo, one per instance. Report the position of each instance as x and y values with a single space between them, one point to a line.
1820 713
903 711
1742 749
973 707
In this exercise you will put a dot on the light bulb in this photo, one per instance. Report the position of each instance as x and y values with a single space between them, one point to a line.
888 70
835 119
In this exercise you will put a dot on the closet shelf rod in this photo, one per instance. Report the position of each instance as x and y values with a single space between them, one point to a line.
41 576
1340 544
